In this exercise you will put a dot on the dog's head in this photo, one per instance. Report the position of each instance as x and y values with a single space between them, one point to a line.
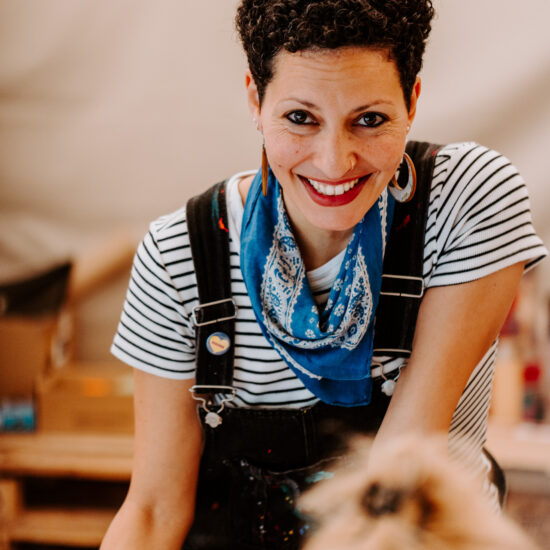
406 495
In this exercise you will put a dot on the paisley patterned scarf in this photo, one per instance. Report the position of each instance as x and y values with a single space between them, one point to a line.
330 351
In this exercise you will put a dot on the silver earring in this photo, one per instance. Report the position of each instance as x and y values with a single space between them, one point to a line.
403 189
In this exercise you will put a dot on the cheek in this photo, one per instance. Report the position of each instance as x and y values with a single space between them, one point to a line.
385 154
284 152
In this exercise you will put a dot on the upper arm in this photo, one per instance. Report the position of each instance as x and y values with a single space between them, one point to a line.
478 240
167 448
155 333
456 326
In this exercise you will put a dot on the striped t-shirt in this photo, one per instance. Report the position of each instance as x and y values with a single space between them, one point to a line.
479 221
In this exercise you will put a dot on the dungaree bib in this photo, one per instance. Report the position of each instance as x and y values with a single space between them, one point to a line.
256 462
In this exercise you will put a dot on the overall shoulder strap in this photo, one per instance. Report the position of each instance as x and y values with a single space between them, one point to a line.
402 284
402 279
214 317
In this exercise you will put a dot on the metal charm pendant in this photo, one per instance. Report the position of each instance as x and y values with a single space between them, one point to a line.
388 386
205 394
213 419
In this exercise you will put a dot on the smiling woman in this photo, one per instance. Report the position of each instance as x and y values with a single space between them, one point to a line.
332 119
287 299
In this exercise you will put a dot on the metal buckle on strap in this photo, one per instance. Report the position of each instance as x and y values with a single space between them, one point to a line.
210 304
405 294
206 388
377 370
212 418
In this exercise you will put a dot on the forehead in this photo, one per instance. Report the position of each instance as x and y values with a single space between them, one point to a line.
342 70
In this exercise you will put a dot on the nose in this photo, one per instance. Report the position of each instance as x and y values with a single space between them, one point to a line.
336 155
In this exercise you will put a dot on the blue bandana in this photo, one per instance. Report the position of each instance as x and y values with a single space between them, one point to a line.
329 351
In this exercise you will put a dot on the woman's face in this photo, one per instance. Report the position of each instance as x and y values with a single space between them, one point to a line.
334 124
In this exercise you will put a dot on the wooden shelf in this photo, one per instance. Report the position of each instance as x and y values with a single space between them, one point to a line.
106 457
71 458
80 528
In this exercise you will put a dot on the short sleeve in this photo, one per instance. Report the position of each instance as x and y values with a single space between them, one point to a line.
155 333
480 218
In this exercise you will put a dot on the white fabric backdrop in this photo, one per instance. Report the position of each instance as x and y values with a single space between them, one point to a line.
112 113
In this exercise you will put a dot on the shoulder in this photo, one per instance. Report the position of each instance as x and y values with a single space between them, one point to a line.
169 234
479 218
459 164
168 238
175 224
470 176
169 225
458 150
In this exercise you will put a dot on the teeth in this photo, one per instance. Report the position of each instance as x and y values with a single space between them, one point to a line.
326 189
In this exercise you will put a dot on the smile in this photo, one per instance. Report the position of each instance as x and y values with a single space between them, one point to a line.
330 190
334 194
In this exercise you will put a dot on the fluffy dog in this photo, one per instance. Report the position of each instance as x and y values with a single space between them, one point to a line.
411 497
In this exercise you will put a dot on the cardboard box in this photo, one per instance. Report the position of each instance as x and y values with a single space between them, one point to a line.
87 397
31 346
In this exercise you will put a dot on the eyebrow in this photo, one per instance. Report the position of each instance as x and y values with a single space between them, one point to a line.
356 110
369 105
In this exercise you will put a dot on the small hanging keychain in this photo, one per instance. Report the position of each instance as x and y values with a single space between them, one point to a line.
213 418
388 386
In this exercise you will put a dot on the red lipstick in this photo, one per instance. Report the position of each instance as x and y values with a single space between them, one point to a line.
334 200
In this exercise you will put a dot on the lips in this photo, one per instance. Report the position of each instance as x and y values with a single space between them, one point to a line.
329 189
333 194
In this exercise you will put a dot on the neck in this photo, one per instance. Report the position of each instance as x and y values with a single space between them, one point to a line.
318 247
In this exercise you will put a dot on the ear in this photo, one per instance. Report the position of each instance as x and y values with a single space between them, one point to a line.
414 98
252 96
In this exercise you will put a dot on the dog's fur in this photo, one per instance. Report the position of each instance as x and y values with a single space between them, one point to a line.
413 497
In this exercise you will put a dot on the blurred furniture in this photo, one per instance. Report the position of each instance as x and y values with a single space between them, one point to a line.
521 447
38 315
523 450
86 397
61 489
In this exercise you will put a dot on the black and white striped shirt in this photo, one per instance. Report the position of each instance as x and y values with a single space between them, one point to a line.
479 221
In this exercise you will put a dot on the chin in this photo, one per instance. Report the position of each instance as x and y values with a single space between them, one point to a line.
336 224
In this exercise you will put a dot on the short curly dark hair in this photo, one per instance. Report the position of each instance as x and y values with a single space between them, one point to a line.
399 27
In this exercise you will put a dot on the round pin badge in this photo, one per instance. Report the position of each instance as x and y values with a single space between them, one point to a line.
218 343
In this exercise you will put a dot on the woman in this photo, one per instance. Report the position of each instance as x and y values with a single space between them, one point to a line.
333 88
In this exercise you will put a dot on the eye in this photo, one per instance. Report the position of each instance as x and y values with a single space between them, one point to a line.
371 120
300 117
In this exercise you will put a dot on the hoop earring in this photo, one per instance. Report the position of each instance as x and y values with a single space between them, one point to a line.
399 192
265 171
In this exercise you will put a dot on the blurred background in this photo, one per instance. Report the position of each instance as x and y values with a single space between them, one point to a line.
111 115
114 113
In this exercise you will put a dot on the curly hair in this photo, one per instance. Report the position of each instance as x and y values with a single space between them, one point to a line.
399 27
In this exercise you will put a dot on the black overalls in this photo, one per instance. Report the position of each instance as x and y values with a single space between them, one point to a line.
257 461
